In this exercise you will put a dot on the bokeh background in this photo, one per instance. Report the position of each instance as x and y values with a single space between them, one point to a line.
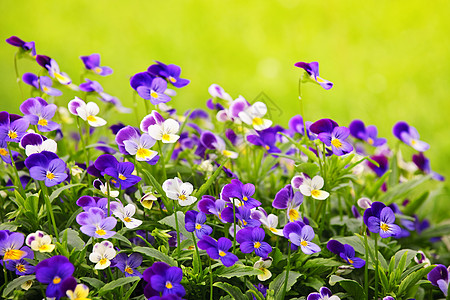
389 60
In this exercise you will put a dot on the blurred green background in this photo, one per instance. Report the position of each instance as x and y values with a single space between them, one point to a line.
389 60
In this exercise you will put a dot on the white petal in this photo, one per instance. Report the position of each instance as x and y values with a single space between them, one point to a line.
155 131
259 109
222 116
246 118
82 112
272 220
187 188
305 190
99 266
189 200
110 253
95 257
49 145
31 149
322 195
130 210
133 223
267 274
171 126
98 122
317 182
266 124
92 108
170 138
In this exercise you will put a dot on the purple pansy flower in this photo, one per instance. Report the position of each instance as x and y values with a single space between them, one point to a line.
243 214
287 199
38 112
333 136
131 142
266 138
423 163
439 277
312 69
93 223
169 72
26 46
150 88
251 239
21 266
380 219
214 142
43 83
47 167
324 294
346 252
12 127
301 236
243 192
4 152
10 245
53 271
128 264
383 163
218 249
164 279
87 202
53 69
195 221
121 171
209 205
367 134
92 62
409 136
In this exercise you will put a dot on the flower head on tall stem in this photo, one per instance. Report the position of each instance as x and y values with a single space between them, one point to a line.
287 199
410 136
301 236
12 127
195 222
38 112
19 43
92 63
312 187
94 223
346 252
251 239
380 219
312 72
218 249
171 73
439 277
42 83
178 190
47 167
120 171
128 264
243 192
86 111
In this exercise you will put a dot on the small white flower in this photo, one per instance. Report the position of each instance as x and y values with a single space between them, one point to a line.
102 254
125 214
165 131
76 171
40 241
270 221
254 114
177 190
263 264
364 203
312 187
104 189
148 199
88 112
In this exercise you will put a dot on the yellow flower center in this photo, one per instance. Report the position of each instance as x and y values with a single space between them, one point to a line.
221 253
273 229
245 198
97 70
370 141
121 177
315 193
182 197
100 232
257 245
166 137
56 280
384 227
21 268
43 122
58 76
171 79
12 135
304 243
169 285
103 261
227 153
257 121
91 118
413 142
143 153
45 89
154 94
127 219
198 226
44 248
14 254
350 261
336 142
244 222
50 175
129 270
293 215
3 152
267 147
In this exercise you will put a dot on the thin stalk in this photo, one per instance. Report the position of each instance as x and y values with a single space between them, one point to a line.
83 144
376 266
108 190
234 227
366 267
16 69
162 159
198 253
210 282
50 216
288 266
178 232
18 183
147 110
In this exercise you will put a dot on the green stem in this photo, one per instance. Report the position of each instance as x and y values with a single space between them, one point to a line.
234 227
108 190
146 107
288 266
83 144
197 252
302 112
162 160
18 183
50 216
210 281
366 267
376 266
178 232
16 68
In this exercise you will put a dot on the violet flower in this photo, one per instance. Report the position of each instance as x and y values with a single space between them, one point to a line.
287 199
92 63
169 72
383 163
120 171
243 192
380 219
209 205
214 142
324 294
53 271
439 277
47 167
19 43
10 245
266 138
161 278
12 127
301 236
36 143
38 112
21 266
218 249
131 142
346 252
336 139
93 223
42 83
53 69
423 163
243 214
312 69
4 152
87 202
150 88
367 134
128 264
409 136
195 221
251 239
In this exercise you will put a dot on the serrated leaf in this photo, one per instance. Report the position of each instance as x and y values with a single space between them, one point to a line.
58 191
278 283
9 226
117 283
237 271
170 221
16 283
233 291
94 282
400 262
352 287
156 254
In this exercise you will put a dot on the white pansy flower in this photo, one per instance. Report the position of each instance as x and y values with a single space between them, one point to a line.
263 264
86 111
165 131
312 187
254 114
47 145
125 214
40 241
178 190
102 255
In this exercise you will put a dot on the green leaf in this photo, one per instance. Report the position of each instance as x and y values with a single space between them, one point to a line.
401 191
415 204
320 262
202 190
120 237
73 238
278 283
437 231
156 254
117 283
73 216
255 291
130 291
170 221
233 291
237 271
159 189
376 187
311 155
308 168
9 226
58 191
412 279
94 282
352 287
16 283
403 258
